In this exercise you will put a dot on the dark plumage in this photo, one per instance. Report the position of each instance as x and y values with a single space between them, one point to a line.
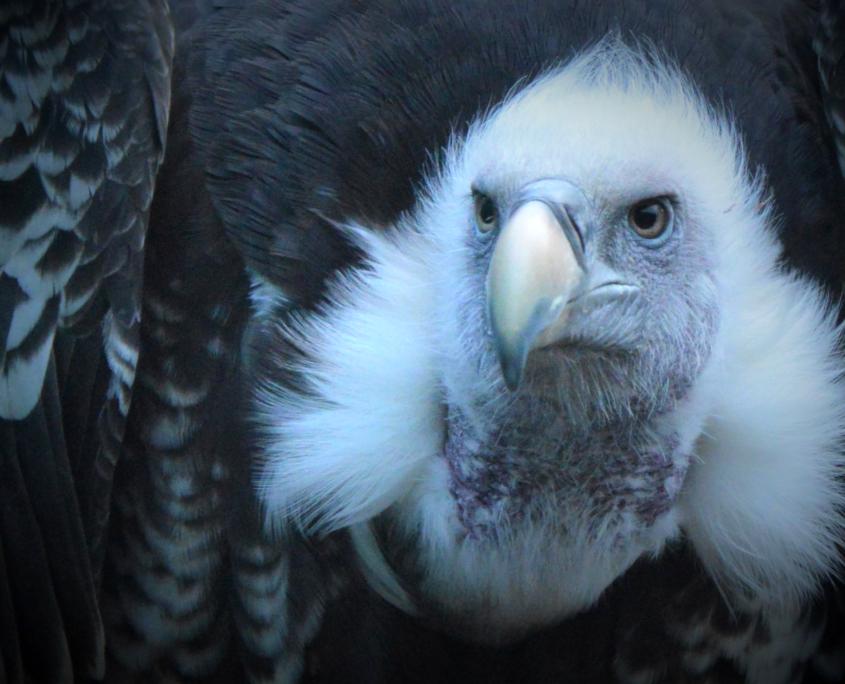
829 45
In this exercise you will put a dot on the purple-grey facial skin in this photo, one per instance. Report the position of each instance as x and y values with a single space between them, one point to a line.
524 467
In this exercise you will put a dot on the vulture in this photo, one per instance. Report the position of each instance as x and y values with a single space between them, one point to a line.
486 341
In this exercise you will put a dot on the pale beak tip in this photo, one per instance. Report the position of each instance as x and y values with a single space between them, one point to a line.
513 376
512 363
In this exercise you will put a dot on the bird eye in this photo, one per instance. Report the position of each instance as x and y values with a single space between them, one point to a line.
651 218
486 213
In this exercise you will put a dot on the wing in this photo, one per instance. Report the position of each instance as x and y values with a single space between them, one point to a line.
84 95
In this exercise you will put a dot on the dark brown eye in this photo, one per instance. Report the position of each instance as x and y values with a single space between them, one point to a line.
651 218
486 213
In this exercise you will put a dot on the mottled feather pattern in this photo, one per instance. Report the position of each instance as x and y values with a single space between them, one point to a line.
76 104
195 587
687 633
165 604
84 100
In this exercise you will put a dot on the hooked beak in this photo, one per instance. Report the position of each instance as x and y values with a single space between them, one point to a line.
539 266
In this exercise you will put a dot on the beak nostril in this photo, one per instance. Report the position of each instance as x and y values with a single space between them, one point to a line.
566 220
578 231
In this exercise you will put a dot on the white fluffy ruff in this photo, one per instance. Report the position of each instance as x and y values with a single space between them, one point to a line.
763 500
761 504
353 448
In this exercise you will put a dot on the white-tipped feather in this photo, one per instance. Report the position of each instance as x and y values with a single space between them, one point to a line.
21 381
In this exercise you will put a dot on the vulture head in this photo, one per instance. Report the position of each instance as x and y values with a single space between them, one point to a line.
579 344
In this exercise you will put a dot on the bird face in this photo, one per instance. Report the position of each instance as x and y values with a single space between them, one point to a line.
595 316
585 258
578 305
585 232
